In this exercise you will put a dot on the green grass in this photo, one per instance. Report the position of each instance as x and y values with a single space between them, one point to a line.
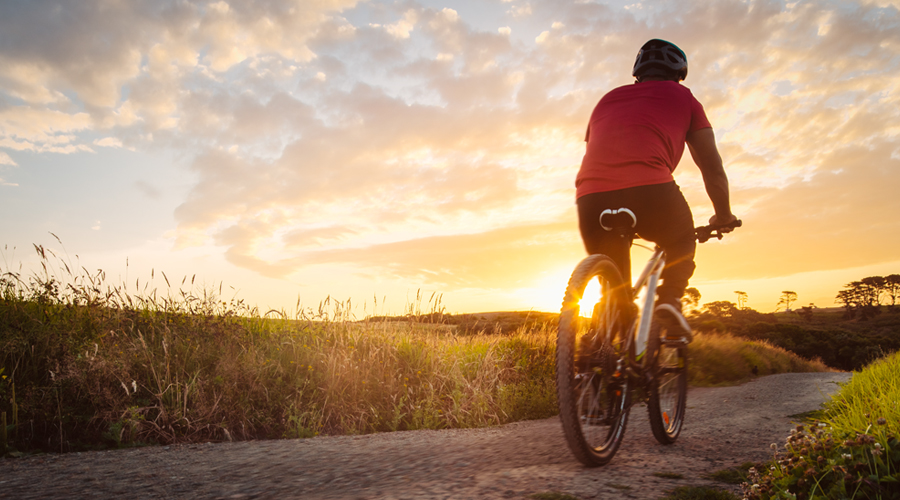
86 365
852 452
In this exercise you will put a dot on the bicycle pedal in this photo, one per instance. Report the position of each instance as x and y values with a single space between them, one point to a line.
676 342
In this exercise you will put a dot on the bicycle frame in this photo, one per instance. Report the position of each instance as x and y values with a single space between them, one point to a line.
649 276
625 356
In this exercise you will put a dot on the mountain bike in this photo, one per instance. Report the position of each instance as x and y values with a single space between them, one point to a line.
620 354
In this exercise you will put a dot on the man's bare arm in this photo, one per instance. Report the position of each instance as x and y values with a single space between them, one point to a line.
702 145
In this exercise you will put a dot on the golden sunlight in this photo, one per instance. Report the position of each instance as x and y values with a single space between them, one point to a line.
591 296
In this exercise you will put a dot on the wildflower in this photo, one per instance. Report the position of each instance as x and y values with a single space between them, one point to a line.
822 424
773 446
877 446
876 452
846 456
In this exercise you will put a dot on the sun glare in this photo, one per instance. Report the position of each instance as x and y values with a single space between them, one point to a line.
591 296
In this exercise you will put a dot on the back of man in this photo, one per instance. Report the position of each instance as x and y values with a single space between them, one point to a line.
635 139
636 136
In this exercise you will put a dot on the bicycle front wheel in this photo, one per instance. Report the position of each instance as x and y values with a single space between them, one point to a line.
593 387
668 386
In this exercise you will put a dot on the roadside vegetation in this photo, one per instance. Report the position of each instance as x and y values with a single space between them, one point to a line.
851 451
863 329
85 365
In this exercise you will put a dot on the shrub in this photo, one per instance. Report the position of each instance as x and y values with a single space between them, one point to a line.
854 452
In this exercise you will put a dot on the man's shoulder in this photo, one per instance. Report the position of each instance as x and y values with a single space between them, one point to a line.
645 88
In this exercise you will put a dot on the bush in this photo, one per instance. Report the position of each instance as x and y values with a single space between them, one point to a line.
854 452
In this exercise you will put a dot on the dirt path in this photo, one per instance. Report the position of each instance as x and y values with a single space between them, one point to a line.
724 427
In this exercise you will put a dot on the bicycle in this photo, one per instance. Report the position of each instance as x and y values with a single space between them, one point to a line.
620 354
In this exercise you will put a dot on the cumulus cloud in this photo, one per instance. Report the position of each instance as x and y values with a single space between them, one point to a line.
122 64
392 164
6 160
412 140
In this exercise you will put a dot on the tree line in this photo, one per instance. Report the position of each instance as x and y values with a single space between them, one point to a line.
861 299
846 343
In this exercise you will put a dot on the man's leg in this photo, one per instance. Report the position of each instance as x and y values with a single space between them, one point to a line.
598 240
671 225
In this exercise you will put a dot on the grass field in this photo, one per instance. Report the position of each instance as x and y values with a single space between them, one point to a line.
87 365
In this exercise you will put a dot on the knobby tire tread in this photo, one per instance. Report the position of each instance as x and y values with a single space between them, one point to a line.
589 268
664 433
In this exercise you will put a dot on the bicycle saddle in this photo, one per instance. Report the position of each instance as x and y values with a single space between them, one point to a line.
620 218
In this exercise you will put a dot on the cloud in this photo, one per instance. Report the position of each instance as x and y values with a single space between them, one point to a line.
416 141
149 190
842 217
25 128
6 160
108 142
492 259
134 63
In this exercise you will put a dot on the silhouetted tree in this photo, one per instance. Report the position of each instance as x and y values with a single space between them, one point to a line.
806 312
691 298
860 298
876 286
721 308
847 299
892 287
787 298
741 299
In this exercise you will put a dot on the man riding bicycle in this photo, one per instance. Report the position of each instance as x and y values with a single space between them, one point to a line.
635 139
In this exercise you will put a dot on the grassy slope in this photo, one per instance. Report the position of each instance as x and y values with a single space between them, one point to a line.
86 365
853 452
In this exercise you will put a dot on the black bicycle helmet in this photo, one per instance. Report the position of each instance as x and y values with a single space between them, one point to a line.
660 58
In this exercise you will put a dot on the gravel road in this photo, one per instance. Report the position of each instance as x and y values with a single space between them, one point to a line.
724 427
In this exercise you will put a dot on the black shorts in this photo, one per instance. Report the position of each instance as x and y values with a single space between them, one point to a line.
663 217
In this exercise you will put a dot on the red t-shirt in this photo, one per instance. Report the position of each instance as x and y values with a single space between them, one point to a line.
636 136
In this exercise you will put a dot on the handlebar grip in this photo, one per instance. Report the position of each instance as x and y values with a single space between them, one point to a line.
704 233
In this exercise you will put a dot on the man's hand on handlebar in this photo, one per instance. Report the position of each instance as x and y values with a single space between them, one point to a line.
716 229
724 224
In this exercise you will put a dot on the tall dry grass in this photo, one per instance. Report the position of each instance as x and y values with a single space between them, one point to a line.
722 358
86 364
95 363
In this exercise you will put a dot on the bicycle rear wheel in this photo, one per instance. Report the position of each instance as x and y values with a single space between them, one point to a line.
593 388
668 387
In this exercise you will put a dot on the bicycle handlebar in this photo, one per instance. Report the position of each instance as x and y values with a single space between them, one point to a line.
704 233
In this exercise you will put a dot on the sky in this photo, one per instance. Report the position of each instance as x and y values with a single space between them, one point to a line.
376 151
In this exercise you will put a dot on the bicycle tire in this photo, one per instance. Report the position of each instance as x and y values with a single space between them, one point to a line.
667 394
593 389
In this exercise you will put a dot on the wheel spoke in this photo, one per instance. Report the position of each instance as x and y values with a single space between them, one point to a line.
593 395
